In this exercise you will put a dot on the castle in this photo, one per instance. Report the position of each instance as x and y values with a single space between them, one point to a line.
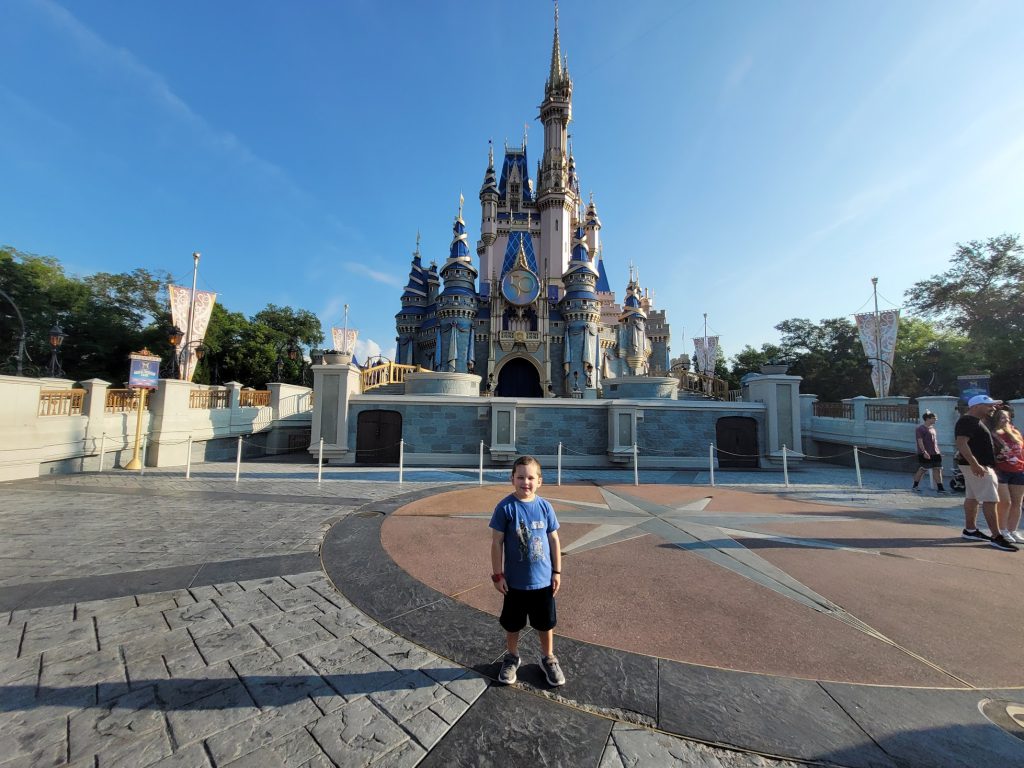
543 320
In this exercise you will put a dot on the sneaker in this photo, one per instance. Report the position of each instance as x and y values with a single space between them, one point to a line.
975 535
552 670
1016 536
916 489
509 665
940 489
1003 543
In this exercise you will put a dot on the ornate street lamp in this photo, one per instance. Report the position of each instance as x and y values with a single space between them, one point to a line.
174 336
57 337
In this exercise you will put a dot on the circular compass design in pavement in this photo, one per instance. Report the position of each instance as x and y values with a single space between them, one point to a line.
755 582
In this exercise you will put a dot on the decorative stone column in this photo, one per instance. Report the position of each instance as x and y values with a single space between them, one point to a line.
781 395
94 409
333 387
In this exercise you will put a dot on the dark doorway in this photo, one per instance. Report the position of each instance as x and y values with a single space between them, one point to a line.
736 439
518 378
377 436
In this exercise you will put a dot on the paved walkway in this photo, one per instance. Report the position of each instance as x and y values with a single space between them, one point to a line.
153 620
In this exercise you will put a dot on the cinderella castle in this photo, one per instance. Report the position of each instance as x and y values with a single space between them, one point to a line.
539 317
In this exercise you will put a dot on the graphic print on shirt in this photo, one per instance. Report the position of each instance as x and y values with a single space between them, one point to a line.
531 545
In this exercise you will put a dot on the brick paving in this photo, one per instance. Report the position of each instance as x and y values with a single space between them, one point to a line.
276 671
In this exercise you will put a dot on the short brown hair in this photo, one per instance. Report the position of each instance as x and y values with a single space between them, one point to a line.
526 461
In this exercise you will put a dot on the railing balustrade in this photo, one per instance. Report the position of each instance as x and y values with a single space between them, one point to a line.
386 373
892 413
208 399
834 410
252 398
61 402
705 385
123 401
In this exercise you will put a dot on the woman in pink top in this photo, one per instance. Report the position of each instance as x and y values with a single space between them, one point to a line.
1009 445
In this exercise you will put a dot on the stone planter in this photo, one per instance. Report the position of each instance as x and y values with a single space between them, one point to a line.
337 358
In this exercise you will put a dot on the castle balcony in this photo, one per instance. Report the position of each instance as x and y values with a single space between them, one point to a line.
530 339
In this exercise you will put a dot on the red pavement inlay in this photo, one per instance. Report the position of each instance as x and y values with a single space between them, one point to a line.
940 604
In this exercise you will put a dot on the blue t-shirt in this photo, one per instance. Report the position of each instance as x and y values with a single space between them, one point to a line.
526 525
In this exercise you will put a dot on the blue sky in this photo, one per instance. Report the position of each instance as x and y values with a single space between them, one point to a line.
757 160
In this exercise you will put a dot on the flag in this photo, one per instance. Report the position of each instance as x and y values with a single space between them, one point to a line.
705 355
181 300
341 343
874 331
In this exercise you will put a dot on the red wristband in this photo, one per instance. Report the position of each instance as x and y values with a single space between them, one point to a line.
496 577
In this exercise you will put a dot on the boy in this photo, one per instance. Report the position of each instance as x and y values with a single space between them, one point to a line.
524 537
928 456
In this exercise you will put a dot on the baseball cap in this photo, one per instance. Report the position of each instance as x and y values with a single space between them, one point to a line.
982 400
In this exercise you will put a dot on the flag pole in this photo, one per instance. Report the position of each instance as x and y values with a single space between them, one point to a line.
184 369
878 340
345 337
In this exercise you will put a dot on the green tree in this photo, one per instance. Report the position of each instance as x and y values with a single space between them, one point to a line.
828 356
750 360
981 297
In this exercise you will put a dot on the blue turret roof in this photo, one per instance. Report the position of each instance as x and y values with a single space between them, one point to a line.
460 248
603 285
490 185
515 158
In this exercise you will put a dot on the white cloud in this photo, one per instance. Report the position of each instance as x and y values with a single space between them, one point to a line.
381 277
104 56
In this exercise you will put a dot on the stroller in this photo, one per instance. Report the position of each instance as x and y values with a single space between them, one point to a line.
956 482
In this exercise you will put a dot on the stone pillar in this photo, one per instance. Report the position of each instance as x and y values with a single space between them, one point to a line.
781 395
94 409
333 386
169 424
234 397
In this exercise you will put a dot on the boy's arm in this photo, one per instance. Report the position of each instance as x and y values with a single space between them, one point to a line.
556 561
497 556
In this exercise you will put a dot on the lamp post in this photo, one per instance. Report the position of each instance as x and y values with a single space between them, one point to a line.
21 337
934 355
882 391
174 336
57 336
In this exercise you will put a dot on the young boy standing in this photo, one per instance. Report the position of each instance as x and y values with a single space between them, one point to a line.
526 567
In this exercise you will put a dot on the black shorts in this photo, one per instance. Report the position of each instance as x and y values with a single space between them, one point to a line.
537 604
934 461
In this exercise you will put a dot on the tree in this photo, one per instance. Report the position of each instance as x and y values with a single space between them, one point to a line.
828 356
750 360
981 296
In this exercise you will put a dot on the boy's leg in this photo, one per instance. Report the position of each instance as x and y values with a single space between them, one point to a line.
512 642
547 642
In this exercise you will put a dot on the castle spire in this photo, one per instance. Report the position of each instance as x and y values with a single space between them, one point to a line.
555 76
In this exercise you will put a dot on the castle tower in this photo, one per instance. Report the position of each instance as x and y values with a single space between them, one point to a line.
414 307
488 216
457 304
634 344
556 199
581 311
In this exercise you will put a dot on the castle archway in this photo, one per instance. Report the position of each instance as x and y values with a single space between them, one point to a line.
519 378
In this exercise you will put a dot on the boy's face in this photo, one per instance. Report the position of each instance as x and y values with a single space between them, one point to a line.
526 480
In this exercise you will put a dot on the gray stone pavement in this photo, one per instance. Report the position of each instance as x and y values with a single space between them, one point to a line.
274 671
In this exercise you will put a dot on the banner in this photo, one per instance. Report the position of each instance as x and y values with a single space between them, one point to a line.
705 355
181 300
878 337
341 344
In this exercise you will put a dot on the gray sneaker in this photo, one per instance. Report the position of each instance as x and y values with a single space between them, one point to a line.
552 670
509 665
